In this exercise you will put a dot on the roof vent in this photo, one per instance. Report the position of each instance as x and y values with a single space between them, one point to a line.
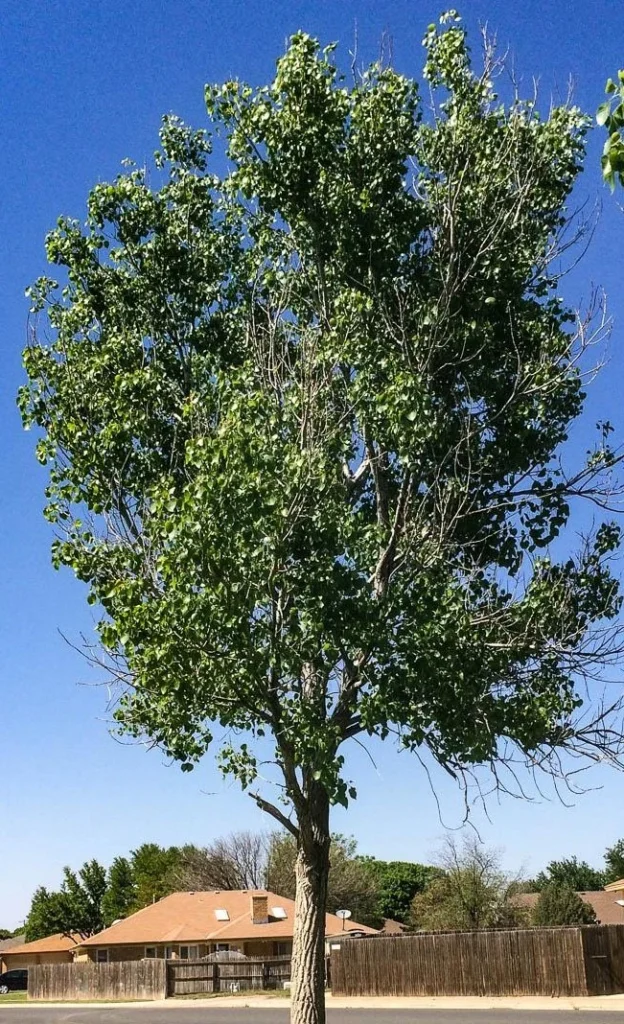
221 914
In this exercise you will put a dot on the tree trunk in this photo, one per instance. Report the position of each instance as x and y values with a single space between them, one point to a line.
311 871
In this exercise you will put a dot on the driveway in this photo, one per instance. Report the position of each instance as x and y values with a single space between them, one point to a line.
279 1015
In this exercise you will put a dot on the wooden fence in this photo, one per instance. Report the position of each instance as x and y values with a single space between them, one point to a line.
129 979
191 977
537 961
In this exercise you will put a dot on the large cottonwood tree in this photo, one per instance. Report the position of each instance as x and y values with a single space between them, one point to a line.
303 421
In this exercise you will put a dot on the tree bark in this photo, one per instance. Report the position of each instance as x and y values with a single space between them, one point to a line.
311 872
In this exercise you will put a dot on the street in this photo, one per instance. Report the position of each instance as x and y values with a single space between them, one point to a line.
279 1015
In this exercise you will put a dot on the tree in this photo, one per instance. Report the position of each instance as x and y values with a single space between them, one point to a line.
576 874
398 882
614 862
76 909
237 861
611 115
350 885
559 904
153 869
45 915
303 423
472 892
120 897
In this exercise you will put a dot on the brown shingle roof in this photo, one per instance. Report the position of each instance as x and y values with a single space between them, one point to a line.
606 909
191 917
17 940
51 944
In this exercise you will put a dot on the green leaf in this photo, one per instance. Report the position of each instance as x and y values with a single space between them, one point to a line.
603 113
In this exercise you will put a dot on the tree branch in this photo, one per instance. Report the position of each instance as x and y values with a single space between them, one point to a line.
275 812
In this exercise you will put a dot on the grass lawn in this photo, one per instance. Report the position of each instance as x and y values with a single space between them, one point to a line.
21 997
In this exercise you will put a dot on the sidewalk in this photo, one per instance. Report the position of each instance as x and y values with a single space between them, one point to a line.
535 1003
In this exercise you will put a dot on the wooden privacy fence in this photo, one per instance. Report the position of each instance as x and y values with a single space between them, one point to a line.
538 961
129 979
190 977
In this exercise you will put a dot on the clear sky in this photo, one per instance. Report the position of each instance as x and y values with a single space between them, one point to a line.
83 84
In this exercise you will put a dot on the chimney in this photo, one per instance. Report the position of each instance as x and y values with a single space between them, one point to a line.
260 909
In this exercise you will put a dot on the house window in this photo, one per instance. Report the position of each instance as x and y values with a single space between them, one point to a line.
151 953
101 956
189 952
169 951
223 947
281 949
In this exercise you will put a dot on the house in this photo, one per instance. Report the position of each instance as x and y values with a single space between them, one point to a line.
5 944
191 925
55 949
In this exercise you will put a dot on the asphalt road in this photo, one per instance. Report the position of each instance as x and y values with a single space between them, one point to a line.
279 1015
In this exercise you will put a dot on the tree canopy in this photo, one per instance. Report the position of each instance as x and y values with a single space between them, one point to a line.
236 861
576 874
121 896
471 892
304 421
559 904
614 862
75 909
153 868
298 358
397 883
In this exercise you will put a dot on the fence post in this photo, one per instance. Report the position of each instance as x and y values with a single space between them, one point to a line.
216 978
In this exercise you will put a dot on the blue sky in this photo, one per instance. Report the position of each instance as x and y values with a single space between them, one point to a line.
83 85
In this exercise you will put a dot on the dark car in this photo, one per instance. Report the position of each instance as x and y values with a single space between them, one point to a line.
14 981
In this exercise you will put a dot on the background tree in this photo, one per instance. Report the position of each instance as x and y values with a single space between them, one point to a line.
559 904
576 874
304 426
84 893
76 909
44 917
153 870
237 861
351 886
397 884
472 892
614 862
120 898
